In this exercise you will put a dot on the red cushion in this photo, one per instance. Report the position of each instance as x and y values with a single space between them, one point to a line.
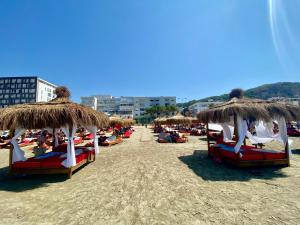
51 164
279 155
26 164
78 141
227 154
252 155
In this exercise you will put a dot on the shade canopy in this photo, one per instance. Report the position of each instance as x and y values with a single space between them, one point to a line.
57 113
128 122
179 119
115 120
249 108
160 120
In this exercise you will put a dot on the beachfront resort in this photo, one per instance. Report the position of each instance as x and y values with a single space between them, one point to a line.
237 162
149 112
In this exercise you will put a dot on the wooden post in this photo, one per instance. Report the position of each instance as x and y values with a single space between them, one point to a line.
53 138
11 148
236 134
207 136
287 152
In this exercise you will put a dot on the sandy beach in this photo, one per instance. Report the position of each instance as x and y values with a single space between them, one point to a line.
143 182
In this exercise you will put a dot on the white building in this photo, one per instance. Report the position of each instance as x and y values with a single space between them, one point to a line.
126 107
18 90
200 106
293 101
90 102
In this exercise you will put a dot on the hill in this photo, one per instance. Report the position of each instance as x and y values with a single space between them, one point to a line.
280 89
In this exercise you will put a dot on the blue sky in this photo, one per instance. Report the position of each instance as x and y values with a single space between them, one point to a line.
190 49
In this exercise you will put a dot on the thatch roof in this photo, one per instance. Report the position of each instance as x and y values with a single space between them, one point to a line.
160 120
128 122
115 119
179 119
249 108
54 114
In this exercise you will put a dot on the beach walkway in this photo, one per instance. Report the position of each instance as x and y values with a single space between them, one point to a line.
143 182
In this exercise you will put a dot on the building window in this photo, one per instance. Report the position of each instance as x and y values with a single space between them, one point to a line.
32 80
19 81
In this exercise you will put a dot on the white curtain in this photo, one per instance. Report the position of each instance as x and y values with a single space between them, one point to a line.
18 154
93 130
227 132
283 133
242 131
215 127
71 159
264 133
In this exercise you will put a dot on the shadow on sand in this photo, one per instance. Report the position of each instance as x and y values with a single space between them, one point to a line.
209 170
19 183
296 151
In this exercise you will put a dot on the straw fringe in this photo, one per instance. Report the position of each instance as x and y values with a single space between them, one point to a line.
249 108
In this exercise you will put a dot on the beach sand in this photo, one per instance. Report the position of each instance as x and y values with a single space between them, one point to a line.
143 182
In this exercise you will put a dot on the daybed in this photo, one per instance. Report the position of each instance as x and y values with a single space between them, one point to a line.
246 115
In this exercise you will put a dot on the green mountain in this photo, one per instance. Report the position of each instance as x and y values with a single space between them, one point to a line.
280 89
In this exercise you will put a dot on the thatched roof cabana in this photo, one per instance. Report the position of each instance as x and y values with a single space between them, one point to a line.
243 112
115 120
160 120
59 113
249 108
128 122
54 114
179 119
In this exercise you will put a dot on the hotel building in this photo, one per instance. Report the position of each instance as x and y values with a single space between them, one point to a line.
18 90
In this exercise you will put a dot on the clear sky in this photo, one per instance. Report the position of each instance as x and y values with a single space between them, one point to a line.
185 48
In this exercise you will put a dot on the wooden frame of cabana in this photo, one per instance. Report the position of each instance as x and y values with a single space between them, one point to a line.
58 113
246 108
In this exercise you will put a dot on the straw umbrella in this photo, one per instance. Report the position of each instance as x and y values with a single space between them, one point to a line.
179 119
115 120
56 114
160 121
128 122
251 109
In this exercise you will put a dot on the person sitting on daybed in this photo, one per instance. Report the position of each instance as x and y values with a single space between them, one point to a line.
42 146
165 137
174 136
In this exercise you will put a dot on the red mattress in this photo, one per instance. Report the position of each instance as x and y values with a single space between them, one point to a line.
52 162
247 153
